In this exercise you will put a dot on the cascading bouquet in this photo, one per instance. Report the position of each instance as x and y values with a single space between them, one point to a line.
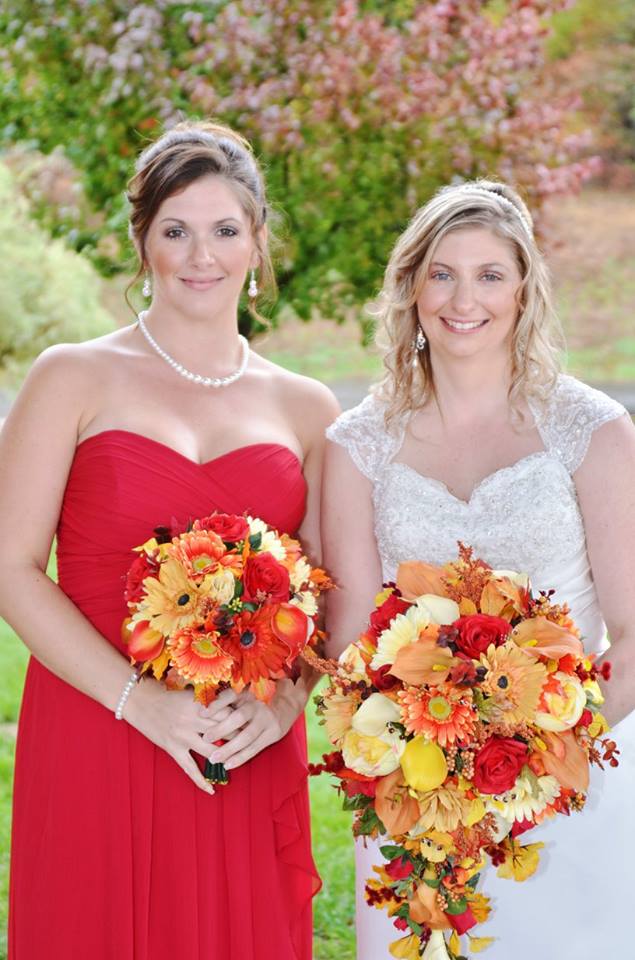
230 602
465 714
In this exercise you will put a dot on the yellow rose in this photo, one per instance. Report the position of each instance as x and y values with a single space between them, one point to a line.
219 586
563 709
374 713
424 765
372 756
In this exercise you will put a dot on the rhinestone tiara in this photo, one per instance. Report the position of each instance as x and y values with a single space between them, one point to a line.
484 192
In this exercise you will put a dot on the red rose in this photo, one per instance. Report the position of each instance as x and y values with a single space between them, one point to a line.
399 869
477 631
462 922
381 617
265 579
498 763
227 526
141 567
352 788
382 679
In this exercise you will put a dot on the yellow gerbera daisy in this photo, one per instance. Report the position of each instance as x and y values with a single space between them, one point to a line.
513 683
173 600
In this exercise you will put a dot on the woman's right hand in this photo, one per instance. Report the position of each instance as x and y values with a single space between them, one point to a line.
174 721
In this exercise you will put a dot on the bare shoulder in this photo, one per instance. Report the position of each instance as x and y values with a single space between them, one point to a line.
312 405
64 380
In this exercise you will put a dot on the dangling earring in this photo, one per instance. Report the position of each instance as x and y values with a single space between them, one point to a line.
146 289
420 340
252 290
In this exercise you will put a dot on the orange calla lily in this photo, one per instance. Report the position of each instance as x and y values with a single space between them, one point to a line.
145 643
546 639
414 578
423 662
423 908
290 624
566 760
396 809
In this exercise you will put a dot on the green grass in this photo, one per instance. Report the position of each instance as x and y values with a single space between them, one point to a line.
331 826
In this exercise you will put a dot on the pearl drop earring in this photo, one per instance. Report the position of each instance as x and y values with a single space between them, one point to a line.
147 286
420 340
252 290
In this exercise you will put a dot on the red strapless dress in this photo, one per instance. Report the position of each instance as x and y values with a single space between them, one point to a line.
116 855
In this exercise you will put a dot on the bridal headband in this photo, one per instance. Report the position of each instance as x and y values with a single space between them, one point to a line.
476 189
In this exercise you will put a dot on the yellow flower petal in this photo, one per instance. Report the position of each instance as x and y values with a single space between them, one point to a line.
454 943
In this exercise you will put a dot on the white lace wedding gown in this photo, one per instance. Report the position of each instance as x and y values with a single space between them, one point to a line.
580 903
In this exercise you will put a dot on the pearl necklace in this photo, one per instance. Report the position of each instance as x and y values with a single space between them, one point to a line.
184 372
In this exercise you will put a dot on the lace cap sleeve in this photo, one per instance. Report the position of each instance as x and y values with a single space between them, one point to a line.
571 414
362 432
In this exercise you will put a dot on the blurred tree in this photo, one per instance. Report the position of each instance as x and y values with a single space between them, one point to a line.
50 294
360 109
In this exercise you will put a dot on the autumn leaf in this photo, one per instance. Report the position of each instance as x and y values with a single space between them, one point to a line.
454 942
520 862
407 948
480 943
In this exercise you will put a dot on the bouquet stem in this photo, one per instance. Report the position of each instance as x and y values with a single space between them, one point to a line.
216 772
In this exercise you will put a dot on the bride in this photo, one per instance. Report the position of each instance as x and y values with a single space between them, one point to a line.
474 434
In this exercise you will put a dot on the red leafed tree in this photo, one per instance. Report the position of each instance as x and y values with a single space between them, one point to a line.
359 110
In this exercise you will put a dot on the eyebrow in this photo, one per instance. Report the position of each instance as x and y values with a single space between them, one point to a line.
480 266
216 222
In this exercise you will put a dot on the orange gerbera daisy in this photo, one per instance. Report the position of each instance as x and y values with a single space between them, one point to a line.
445 713
199 552
256 650
199 657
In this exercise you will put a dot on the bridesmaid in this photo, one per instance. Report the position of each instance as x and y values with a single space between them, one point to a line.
120 848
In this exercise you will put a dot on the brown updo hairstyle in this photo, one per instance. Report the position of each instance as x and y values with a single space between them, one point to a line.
187 152
537 341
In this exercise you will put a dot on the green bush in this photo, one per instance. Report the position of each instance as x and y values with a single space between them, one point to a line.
50 294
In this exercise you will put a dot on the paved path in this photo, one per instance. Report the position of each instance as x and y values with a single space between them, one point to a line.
350 392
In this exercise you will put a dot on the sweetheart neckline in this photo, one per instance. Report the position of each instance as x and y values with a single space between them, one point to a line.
477 488
184 456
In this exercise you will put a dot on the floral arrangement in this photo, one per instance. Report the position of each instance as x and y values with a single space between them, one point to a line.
464 715
230 602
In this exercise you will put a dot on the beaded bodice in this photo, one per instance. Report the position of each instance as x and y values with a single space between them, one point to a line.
524 517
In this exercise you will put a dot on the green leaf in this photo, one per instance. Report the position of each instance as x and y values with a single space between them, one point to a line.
255 540
455 907
390 852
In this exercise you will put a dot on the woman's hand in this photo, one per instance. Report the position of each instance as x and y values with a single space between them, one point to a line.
174 721
252 725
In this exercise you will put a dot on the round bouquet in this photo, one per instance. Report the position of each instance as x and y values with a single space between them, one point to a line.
230 602
465 714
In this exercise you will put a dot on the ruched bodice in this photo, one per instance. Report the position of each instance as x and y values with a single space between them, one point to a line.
115 852
524 517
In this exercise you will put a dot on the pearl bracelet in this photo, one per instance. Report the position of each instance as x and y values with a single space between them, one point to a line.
125 693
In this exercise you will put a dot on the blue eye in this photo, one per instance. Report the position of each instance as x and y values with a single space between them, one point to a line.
440 275
492 276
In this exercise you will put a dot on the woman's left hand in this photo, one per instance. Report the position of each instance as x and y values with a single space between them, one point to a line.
251 725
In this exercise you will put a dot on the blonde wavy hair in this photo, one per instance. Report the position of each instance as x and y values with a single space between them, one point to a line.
191 150
537 341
